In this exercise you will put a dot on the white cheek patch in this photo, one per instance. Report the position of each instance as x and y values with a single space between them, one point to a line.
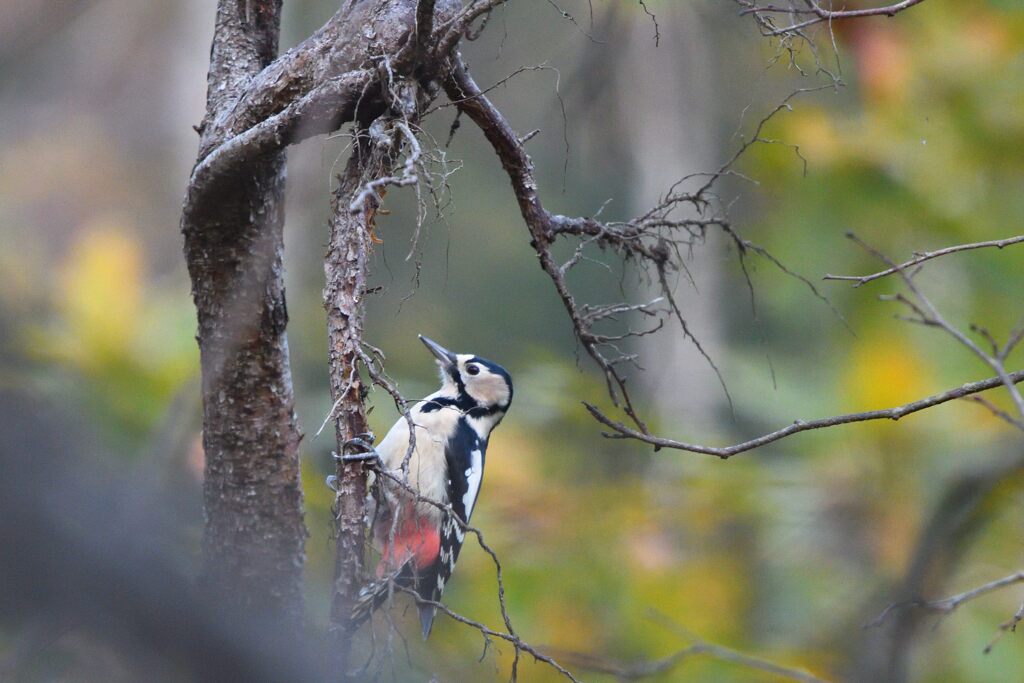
474 473
488 389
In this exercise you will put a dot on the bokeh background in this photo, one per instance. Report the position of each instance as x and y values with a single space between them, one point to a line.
608 548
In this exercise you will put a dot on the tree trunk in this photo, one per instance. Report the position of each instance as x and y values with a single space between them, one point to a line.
232 220
345 268
253 543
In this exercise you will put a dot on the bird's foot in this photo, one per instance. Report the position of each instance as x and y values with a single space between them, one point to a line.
370 456
366 437
362 444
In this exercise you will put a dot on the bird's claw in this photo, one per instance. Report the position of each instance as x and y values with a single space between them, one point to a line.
369 454
363 442
332 483
364 438
363 445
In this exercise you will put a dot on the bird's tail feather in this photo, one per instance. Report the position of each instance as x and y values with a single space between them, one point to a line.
376 593
427 613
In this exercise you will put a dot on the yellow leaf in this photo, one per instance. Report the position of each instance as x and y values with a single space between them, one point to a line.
885 372
100 291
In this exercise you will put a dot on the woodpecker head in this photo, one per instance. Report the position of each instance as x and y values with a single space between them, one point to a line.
472 384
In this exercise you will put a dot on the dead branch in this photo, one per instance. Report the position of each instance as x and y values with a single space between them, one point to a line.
634 671
724 452
1007 626
645 239
921 257
809 13
655 239
948 605
996 410
925 313
488 632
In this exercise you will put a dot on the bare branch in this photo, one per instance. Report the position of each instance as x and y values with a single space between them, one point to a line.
322 110
655 240
817 14
623 431
927 314
654 20
921 257
652 239
996 410
1007 626
488 632
948 605
454 29
634 671
543 226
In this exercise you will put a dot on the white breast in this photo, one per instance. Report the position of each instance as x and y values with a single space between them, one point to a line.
427 466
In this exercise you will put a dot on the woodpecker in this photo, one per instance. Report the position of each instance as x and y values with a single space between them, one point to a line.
419 541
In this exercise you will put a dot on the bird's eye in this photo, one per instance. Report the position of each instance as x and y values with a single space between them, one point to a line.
473 369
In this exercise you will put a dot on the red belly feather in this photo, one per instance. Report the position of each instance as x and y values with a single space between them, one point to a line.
416 538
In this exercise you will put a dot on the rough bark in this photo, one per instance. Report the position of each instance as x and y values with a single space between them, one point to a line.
254 531
345 271
232 218
377 146
320 84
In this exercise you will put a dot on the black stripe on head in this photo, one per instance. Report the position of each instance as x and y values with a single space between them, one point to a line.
453 372
462 400
497 370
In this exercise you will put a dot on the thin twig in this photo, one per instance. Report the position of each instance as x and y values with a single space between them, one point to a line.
927 314
1007 626
919 258
819 14
623 431
996 410
947 605
633 671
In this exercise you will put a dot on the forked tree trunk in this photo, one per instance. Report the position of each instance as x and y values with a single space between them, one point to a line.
253 543
232 222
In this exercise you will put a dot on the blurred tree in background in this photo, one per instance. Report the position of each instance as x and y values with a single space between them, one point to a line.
607 549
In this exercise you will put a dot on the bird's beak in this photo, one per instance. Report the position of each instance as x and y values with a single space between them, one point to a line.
443 355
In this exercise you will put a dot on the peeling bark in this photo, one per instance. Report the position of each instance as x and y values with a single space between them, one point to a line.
345 268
